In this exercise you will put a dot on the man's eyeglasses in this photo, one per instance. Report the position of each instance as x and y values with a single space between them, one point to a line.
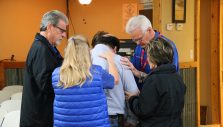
140 38
61 30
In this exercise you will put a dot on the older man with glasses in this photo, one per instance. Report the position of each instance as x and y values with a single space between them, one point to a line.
42 59
141 31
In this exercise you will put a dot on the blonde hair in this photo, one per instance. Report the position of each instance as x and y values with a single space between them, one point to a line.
75 69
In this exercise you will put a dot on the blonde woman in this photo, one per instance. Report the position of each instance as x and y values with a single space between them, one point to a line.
78 86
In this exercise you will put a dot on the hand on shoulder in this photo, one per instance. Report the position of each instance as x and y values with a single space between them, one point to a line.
109 55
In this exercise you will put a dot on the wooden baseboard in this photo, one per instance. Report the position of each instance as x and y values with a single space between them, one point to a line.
211 125
188 64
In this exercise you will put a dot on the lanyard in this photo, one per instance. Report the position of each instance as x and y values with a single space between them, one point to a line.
143 60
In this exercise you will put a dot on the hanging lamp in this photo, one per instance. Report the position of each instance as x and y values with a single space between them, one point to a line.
85 2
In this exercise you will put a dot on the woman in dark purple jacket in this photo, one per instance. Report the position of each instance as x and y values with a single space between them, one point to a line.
161 100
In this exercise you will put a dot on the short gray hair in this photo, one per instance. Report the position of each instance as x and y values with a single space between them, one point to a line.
160 52
52 17
137 22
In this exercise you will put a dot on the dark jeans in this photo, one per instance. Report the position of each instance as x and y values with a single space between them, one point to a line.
131 119
130 125
116 120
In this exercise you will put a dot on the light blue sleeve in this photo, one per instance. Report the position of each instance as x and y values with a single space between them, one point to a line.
129 82
95 56
126 76
96 60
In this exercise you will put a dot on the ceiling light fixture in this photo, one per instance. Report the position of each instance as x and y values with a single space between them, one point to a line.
85 2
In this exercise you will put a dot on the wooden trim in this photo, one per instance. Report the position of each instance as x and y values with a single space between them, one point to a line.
211 125
221 61
19 64
215 62
197 56
8 65
188 64
157 15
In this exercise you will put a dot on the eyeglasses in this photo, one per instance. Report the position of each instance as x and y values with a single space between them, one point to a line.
140 38
61 30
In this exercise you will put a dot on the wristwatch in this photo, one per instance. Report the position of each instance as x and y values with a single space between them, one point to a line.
142 77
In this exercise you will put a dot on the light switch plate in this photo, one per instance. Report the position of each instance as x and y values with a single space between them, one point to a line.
191 54
179 26
169 26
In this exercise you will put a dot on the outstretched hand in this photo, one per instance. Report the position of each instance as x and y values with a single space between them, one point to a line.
125 61
109 55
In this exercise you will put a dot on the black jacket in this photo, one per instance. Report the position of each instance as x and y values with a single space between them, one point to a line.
161 100
38 94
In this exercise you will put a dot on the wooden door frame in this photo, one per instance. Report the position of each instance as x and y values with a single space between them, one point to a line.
221 60
197 55
215 62
157 15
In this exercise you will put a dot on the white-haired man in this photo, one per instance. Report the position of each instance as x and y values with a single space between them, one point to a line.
140 29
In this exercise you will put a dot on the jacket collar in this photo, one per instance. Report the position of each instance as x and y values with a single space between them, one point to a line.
53 49
41 38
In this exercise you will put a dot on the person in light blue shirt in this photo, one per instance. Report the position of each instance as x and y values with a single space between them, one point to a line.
115 96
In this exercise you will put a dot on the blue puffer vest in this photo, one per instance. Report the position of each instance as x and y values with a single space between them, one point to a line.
83 106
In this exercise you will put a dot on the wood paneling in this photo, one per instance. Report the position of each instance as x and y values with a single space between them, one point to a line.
190 104
197 55
221 62
188 64
211 125
157 15
215 63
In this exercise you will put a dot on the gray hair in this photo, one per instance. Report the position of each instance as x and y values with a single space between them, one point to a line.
137 22
52 17
160 52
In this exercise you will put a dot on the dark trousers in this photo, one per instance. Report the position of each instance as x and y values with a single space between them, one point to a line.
116 120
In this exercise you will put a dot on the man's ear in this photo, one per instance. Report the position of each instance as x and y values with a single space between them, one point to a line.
149 29
49 27
115 49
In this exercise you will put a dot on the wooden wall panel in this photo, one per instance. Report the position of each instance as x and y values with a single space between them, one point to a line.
197 56
215 63
190 102
221 61
157 15
211 125
188 65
